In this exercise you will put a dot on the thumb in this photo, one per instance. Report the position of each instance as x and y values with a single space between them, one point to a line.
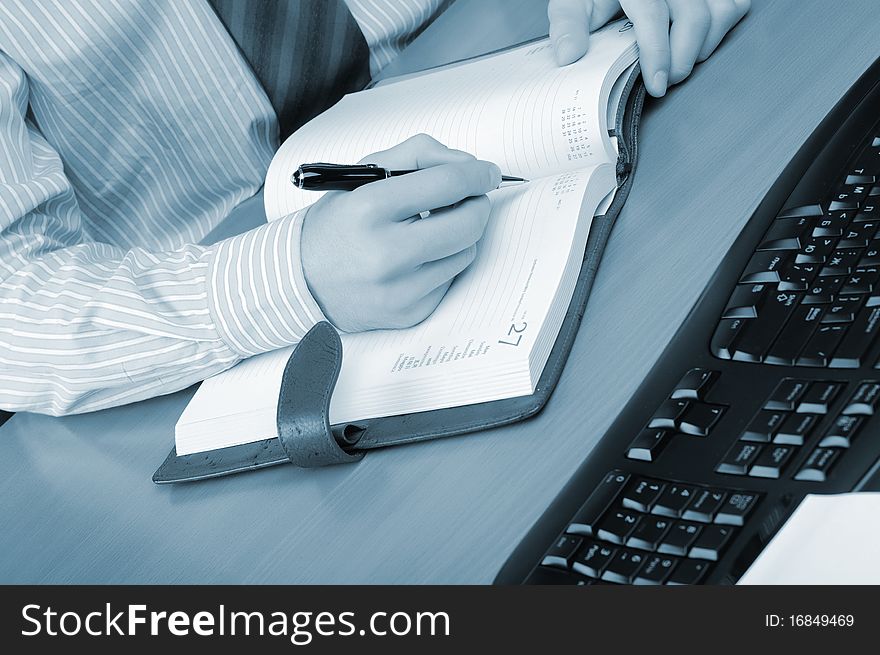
419 151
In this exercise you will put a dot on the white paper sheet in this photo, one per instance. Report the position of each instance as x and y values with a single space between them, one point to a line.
830 539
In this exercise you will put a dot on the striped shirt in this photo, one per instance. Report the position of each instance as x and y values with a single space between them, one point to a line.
129 129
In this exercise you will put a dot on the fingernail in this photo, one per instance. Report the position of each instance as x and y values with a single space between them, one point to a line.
661 82
566 52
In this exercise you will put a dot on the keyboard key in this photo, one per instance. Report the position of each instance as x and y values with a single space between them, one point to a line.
818 465
739 459
858 235
623 567
688 572
803 210
820 348
830 226
655 570
648 445
745 301
815 250
785 234
860 179
764 267
648 533
823 290
711 542
842 432
737 507
862 281
787 394
695 383
592 559
642 494
874 192
864 400
725 337
618 525
673 501
699 418
871 256
678 540
588 516
795 429
797 332
763 426
843 205
772 462
562 551
861 334
819 397
666 417
704 506
797 277
760 332
544 575
841 262
843 309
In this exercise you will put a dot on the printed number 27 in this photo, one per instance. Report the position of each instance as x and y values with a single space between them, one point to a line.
517 331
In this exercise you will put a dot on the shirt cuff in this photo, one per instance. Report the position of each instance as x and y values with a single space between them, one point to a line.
257 292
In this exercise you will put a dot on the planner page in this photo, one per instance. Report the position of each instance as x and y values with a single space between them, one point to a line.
516 108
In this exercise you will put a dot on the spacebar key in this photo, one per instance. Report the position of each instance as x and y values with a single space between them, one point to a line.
795 336
760 332
861 334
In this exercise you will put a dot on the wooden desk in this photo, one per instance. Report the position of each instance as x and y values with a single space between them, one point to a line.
77 501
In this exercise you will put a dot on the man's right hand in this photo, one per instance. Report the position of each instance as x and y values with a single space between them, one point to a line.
369 259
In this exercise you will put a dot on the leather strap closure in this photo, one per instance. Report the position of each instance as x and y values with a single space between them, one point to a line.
304 401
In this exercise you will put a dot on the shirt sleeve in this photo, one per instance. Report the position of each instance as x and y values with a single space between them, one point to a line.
86 325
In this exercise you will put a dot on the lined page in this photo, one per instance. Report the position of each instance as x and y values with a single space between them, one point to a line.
517 108
488 324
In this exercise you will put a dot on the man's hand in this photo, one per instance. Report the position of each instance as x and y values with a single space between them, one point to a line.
368 258
673 35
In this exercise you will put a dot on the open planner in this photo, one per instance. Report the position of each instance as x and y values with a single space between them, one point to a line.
491 351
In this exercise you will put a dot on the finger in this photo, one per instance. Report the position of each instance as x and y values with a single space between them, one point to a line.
570 25
445 232
690 25
443 271
419 151
725 14
569 28
399 198
650 20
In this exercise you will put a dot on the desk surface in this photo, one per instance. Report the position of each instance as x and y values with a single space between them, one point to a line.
77 501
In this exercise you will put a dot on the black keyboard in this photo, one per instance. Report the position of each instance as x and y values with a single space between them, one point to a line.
769 391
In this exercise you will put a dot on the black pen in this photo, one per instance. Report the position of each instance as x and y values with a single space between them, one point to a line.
347 177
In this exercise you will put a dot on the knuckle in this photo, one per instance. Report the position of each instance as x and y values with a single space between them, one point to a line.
423 140
475 225
699 15
723 10
470 254
653 10
366 203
